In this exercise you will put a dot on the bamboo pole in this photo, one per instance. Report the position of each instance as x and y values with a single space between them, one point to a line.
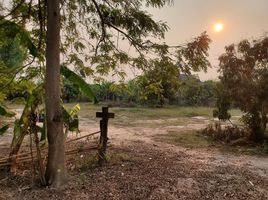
69 152
26 154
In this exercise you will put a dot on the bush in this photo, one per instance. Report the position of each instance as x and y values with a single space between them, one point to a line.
227 134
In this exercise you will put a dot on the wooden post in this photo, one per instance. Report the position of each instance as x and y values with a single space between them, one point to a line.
105 115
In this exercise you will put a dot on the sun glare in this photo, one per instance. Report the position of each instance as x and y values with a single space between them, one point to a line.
218 27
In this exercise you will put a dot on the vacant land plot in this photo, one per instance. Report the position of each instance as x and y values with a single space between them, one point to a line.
154 154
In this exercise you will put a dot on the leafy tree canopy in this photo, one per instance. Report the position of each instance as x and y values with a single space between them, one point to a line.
97 34
244 76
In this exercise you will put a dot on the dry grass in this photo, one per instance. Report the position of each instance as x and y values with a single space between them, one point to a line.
227 134
187 139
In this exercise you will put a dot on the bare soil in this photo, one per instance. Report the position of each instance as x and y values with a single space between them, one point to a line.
142 167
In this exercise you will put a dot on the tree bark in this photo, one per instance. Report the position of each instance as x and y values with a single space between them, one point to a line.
56 171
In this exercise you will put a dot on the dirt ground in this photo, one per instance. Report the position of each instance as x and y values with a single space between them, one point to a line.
143 167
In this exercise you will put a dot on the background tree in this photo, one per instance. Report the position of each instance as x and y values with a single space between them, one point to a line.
223 103
161 79
12 56
194 92
70 92
159 82
244 77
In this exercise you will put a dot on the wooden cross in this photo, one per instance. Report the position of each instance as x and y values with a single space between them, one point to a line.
105 115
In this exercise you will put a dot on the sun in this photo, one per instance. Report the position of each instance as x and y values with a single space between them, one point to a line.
218 27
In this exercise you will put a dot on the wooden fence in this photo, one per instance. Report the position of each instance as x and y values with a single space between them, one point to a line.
32 155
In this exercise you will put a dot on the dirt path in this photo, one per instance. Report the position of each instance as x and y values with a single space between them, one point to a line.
141 167
209 160
127 135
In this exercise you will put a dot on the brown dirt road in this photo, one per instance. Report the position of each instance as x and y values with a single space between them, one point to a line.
141 167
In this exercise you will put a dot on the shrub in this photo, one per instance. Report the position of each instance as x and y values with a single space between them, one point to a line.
227 134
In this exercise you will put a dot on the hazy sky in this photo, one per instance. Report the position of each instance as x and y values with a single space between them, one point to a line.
188 18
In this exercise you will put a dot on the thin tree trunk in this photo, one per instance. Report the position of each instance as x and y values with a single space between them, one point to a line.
258 128
56 171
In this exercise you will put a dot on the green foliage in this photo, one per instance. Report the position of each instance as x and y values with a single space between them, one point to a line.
15 43
26 124
160 80
74 110
123 93
103 90
12 31
22 124
151 91
102 21
193 92
139 91
76 79
223 103
193 57
18 90
3 129
70 118
12 54
110 24
244 78
70 91
4 113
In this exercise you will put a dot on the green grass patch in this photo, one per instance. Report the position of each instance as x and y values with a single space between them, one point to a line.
144 116
188 139
89 109
119 157
165 112
236 112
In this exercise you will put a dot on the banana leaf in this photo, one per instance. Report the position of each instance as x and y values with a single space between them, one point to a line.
6 113
81 83
3 129
70 118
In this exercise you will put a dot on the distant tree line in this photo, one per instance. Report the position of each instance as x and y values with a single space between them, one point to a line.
189 91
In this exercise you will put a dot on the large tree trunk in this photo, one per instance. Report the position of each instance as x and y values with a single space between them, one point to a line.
56 171
257 135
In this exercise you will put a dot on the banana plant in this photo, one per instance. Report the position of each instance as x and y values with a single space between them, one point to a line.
21 125
34 100
70 119
26 124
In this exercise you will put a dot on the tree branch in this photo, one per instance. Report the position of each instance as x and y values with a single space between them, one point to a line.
13 10
133 41
15 74
40 19
102 25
